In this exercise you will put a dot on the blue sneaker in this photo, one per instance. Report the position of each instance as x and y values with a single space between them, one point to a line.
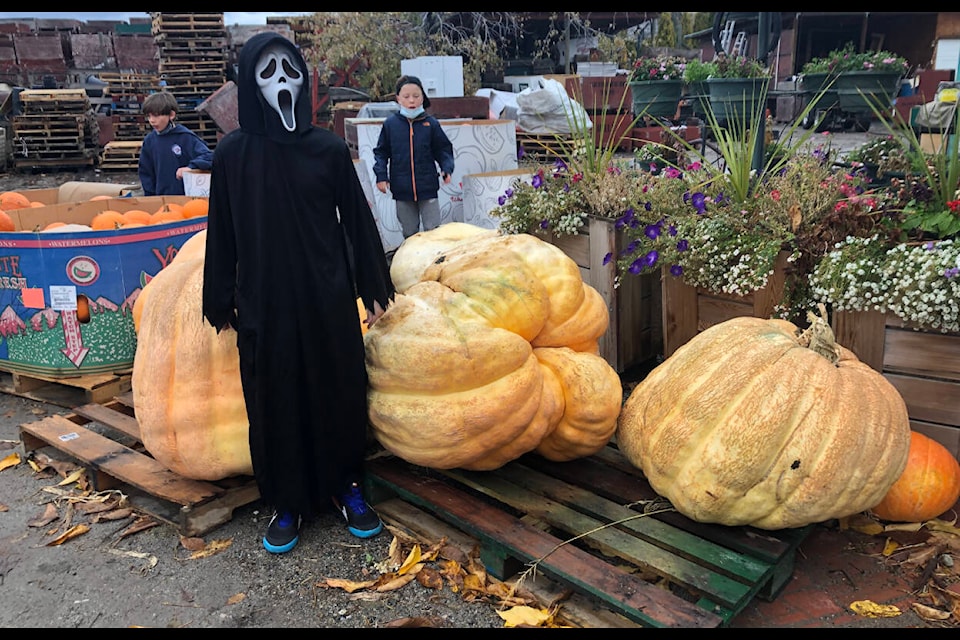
362 520
283 533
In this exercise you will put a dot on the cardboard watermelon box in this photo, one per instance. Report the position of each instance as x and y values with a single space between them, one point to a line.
66 298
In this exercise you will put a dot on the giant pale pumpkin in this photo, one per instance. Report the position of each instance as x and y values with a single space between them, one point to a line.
928 486
187 394
186 377
750 423
490 355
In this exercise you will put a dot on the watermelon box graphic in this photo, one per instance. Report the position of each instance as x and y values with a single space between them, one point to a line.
66 299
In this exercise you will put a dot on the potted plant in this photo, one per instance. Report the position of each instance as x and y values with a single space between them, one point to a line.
656 84
695 75
735 87
862 78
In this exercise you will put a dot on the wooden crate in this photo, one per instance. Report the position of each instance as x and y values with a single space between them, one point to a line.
659 570
634 336
117 459
923 364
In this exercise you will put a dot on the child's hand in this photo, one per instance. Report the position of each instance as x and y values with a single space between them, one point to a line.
383 186
446 178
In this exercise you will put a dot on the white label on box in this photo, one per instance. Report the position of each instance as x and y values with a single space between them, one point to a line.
63 297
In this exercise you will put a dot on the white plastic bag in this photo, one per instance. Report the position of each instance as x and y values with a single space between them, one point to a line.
545 107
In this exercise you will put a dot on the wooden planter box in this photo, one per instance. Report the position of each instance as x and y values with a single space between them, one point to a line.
923 364
634 335
689 310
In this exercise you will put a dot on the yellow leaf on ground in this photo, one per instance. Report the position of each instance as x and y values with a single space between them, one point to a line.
215 546
890 547
72 477
412 559
398 582
524 616
71 533
870 609
11 460
237 597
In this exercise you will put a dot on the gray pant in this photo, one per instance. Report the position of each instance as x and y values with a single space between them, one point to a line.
410 213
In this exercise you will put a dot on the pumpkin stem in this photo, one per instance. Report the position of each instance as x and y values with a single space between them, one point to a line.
819 337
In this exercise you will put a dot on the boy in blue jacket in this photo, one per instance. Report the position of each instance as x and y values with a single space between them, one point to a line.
410 147
168 149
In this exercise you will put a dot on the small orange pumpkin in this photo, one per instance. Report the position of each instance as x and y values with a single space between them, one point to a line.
137 215
195 208
10 200
108 219
54 225
928 486
6 222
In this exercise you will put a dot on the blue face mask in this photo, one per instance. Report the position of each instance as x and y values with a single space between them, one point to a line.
411 113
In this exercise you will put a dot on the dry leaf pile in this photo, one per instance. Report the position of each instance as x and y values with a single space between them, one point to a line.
929 550
444 566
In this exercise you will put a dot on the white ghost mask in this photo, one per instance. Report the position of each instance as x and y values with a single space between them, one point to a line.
280 79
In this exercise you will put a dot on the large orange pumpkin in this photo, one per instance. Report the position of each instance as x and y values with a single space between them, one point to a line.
106 220
928 486
6 222
195 208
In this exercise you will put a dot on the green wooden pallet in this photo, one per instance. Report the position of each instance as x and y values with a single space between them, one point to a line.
527 510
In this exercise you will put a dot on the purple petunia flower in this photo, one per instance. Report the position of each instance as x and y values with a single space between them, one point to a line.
537 181
676 270
502 200
699 202
683 245
652 231
544 224
651 258
607 258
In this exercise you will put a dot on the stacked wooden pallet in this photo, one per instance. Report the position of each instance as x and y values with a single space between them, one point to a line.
193 63
121 155
58 128
127 91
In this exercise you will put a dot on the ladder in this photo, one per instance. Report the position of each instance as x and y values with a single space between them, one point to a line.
726 34
739 45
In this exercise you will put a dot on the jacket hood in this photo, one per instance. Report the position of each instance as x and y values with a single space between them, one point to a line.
254 113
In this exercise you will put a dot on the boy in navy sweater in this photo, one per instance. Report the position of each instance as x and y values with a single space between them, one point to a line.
168 149
410 148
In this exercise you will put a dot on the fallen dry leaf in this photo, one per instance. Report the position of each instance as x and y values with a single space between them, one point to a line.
49 515
72 477
4 508
71 533
524 616
890 546
215 547
192 544
412 560
430 578
870 609
398 582
419 622
110 516
142 523
237 597
11 460
929 613
349 586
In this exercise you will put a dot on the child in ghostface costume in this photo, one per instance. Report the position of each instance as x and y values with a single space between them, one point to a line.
286 214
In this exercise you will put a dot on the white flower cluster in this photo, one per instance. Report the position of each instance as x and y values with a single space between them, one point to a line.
918 282
718 265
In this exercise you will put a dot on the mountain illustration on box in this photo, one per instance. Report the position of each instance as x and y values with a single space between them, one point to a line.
97 337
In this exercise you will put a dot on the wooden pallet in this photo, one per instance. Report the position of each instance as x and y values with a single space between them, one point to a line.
106 439
121 155
528 508
546 147
64 391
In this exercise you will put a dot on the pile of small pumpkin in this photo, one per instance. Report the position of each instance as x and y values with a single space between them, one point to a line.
104 220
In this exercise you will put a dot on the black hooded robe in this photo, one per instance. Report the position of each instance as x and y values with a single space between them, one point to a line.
278 269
